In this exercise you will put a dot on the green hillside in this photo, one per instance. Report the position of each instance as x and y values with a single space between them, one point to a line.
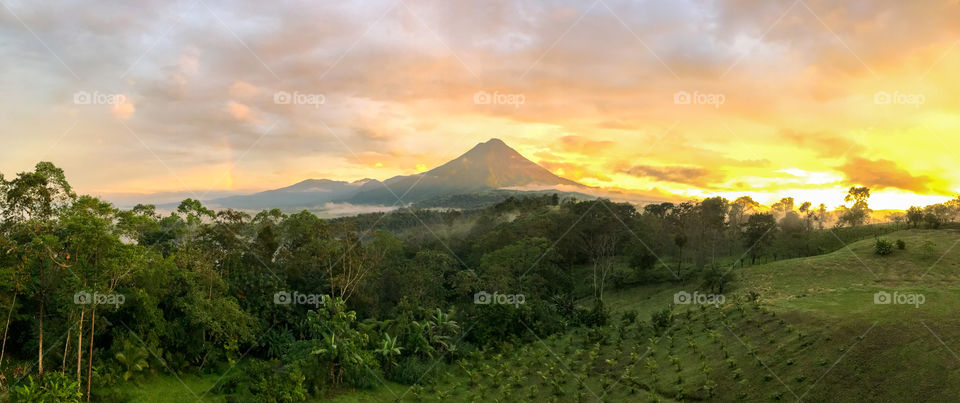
801 329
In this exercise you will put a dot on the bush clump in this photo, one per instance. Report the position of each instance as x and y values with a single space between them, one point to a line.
51 387
883 247
901 245
661 319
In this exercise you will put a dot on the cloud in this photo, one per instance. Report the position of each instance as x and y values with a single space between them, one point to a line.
825 144
239 111
243 90
124 109
880 174
408 84
583 145
396 159
574 171
677 174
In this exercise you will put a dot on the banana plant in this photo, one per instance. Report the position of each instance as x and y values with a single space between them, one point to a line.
389 350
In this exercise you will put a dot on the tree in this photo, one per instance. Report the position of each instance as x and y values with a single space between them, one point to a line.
953 208
604 247
858 195
716 281
30 203
600 233
915 216
793 230
713 214
527 266
349 262
897 219
424 278
935 215
335 343
782 207
759 234
740 209
809 215
747 204
859 212
821 215
933 220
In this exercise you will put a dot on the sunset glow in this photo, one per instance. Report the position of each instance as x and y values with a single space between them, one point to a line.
668 100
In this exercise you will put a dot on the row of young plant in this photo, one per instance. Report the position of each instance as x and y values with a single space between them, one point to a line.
702 353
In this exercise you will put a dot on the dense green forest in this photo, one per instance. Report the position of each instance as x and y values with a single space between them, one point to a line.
292 307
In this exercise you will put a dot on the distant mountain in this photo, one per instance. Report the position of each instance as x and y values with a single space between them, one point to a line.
489 166
307 193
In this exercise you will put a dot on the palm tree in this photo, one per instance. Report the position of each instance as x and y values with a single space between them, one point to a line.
132 359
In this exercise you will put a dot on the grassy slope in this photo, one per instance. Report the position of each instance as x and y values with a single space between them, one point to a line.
833 296
164 389
902 357
815 333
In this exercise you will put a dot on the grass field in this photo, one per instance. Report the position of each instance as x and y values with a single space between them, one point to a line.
163 389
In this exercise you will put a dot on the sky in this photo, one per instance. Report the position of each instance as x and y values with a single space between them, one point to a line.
676 99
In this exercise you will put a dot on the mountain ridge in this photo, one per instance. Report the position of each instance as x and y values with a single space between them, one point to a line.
490 165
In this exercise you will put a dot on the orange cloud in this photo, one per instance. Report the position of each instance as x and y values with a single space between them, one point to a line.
123 109
583 145
677 174
823 143
882 174
574 171
243 90
238 111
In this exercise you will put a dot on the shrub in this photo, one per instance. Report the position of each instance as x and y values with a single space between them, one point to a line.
267 381
51 387
883 247
901 245
598 316
412 370
661 319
